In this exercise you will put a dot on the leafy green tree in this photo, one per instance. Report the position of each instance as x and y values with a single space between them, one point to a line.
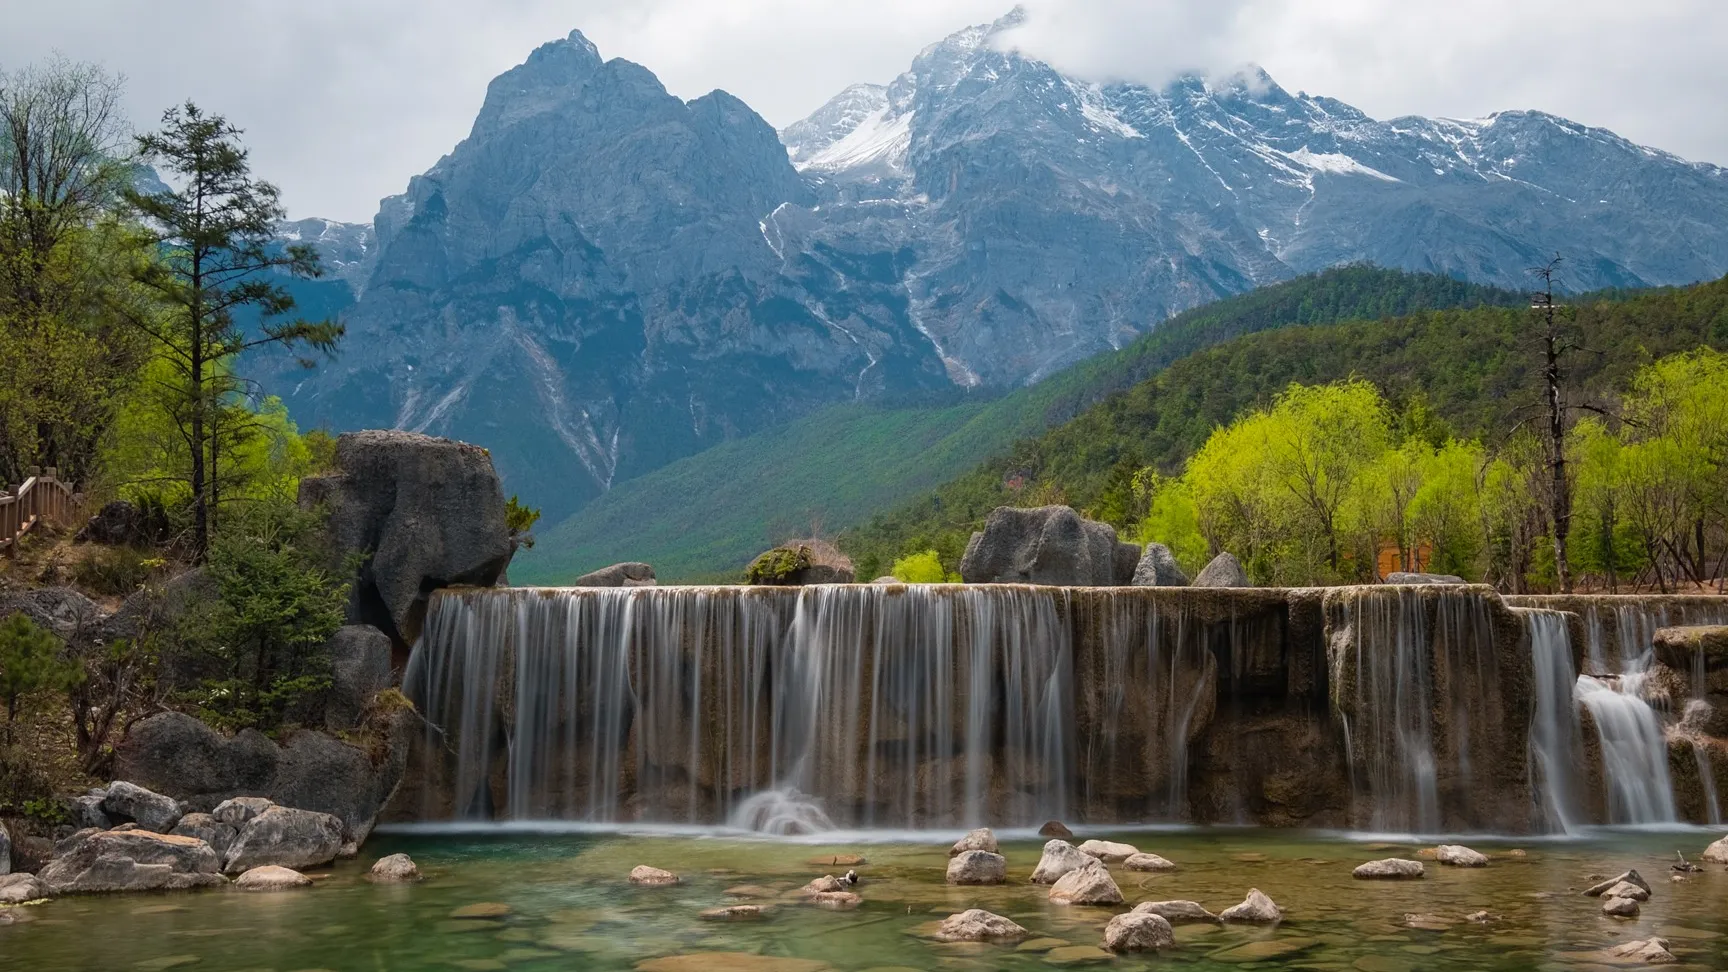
218 267
924 567
519 519
1171 519
30 661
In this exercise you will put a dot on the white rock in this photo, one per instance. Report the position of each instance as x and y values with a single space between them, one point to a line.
978 840
651 877
1620 907
271 878
978 925
1650 951
1390 869
1147 862
1716 853
1138 931
1059 858
1088 885
1254 908
1108 851
395 869
977 867
1458 855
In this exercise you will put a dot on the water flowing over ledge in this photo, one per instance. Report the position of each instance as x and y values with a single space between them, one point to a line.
798 710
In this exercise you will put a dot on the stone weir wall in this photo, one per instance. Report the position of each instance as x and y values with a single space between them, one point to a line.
1425 708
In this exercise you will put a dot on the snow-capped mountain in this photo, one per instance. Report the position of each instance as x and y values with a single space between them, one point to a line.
602 277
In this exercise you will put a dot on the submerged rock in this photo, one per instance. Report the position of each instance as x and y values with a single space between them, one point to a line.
1650 951
981 839
1056 828
1108 851
836 900
652 877
395 869
1138 931
978 925
286 837
1060 857
1224 571
977 867
1147 862
147 808
1158 568
1177 912
1254 908
1457 855
737 912
136 860
1390 869
271 878
1090 884
1629 877
482 910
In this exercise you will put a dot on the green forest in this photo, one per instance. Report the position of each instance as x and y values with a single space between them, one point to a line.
1430 405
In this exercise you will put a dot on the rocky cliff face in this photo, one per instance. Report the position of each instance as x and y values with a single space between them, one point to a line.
602 278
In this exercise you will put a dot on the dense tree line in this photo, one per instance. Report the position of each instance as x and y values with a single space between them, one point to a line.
1462 382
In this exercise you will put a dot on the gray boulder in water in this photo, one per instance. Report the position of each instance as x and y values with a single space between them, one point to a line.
424 513
149 809
618 575
1224 571
1158 568
1049 545
92 861
1403 577
285 837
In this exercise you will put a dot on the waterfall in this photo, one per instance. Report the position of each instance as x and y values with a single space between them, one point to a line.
1634 750
1556 741
784 711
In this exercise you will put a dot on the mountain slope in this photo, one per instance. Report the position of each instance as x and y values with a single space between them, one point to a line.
603 278
1474 367
704 517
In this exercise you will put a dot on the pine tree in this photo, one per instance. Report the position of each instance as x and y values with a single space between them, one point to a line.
218 267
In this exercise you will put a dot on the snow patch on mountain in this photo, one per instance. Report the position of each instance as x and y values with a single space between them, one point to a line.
1336 163
879 138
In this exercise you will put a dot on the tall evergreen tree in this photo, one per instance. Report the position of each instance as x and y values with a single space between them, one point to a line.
217 280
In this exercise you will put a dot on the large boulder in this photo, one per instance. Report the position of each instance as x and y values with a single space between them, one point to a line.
176 754
799 563
1048 545
148 809
978 925
19 888
61 610
1457 855
1224 571
1138 931
1158 568
1717 852
285 837
1087 885
982 839
208 829
618 575
133 860
359 669
977 867
117 523
423 513
87 811
395 869
1059 858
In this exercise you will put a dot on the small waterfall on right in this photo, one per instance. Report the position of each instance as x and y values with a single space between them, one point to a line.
1634 750
1556 740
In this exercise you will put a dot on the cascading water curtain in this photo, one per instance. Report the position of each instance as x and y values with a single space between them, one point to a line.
1391 732
1556 742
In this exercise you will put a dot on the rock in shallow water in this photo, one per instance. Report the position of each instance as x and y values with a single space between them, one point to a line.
1629 877
19 888
1650 951
1620 907
1176 912
978 925
1716 853
1090 884
652 877
1147 862
1138 931
136 860
285 837
982 839
739 912
395 869
1056 828
1255 908
977 867
272 878
1626 889
1108 851
1457 855
1059 858
1390 869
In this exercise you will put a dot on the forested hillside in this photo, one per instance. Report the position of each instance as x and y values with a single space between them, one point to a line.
1472 371
704 517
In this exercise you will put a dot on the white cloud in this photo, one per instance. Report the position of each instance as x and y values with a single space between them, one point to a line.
343 101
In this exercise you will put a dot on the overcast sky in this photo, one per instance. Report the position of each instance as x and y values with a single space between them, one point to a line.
343 100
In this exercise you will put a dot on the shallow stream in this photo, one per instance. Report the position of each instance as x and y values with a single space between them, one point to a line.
561 901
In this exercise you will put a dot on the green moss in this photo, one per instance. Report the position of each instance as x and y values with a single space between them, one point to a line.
778 566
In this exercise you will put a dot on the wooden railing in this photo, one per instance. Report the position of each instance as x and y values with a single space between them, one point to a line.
42 499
